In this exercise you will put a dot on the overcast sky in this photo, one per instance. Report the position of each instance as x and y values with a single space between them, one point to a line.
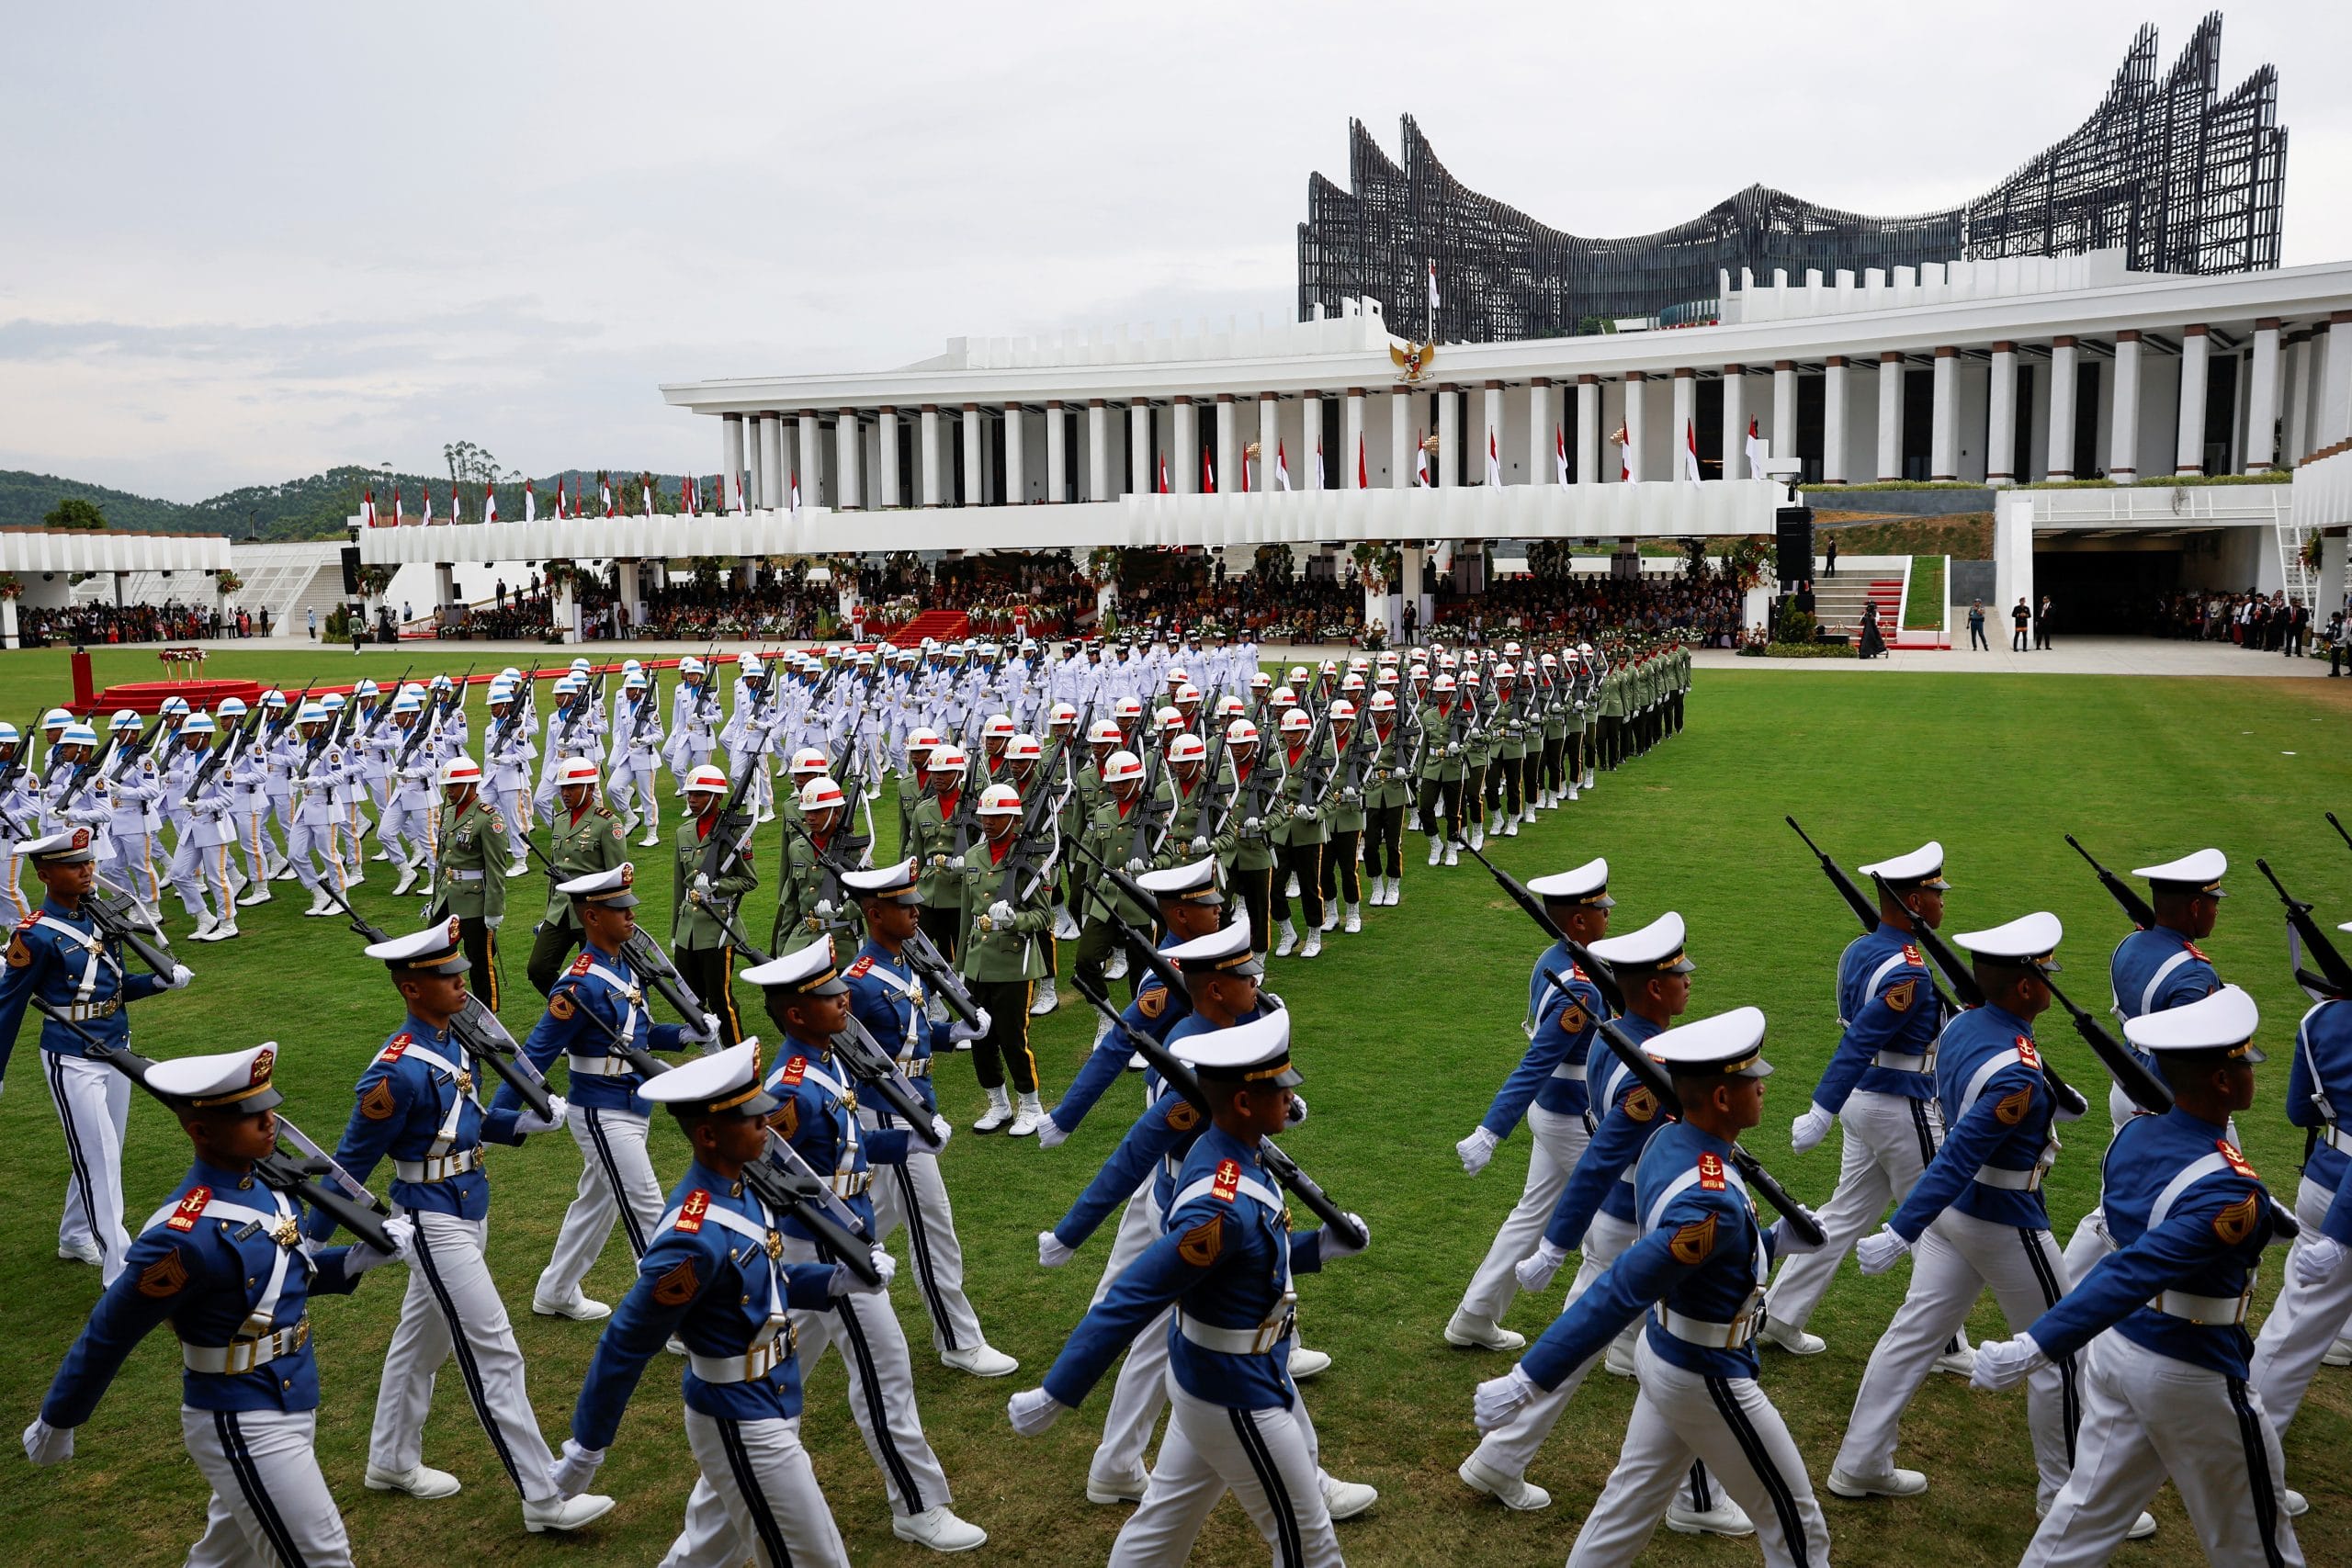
246 242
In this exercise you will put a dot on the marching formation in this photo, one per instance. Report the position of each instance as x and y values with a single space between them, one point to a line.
1148 815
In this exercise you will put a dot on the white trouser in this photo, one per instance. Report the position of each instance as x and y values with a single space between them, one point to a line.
305 844
282 806
2147 1418
453 1305
1267 1459
93 1106
912 1194
508 806
19 911
1141 1388
395 829
249 822
1889 1141
1558 1140
1511 1447
197 870
627 786
270 1504
134 862
351 827
757 1499
2303 1322
616 1181
1730 1427
881 1386
1958 1257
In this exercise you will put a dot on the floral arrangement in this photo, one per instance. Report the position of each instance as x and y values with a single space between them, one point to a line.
227 582
11 586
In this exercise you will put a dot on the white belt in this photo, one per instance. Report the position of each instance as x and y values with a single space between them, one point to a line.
244 1355
1573 1071
915 1066
2011 1180
599 1067
851 1184
465 876
82 1012
1707 1334
2208 1310
752 1365
440 1168
2336 1138
1255 1341
1894 1061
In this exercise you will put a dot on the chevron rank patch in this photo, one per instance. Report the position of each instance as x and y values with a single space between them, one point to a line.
1181 1117
2234 1224
1572 1019
378 1103
1202 1244
1899 998
1641 1105
1154 1002
677 1287
167 1276
19 956
2011 1108
1693 1242
559 1006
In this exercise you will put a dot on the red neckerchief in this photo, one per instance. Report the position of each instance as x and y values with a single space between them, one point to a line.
703 825
1124 806
999 849
578 814
947 803
1291 756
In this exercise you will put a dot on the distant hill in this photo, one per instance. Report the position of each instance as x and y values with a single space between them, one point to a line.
312 508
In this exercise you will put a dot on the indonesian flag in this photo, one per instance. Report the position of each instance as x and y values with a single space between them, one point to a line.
686 495
457 506
1421 461
1494 461
398 516
490 503
1690 452
649 495
427 518
1318 462
367 507
1759 452
530 502
1364 475
605 490
1433 299
1281 466
1560 453
1624 453
796 492
1163 473
1208 474
558 494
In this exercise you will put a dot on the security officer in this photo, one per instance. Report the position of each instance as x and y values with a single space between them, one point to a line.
1249 862
1000 962
2159 1325
583 836
699 945
470 868
886 997
1387 795
939 818
416 1104
1694 1280
222 1261
62 958
596 1014
1445 724
1225 1266
1111 839
817 1113
810 898
715 1278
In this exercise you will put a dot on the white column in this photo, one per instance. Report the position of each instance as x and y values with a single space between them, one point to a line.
1269 439
2262 398
1890 414
2012 559
1833 420
974 466
1352 438
1232 467
2189 445
2061 411
1056 452
1139 474
1490 428
1097 450
1686 418
445 584
632 594
2123 429
1784 442
812 458
731 457
932 489
1735 423
1587 463
1184 462
1016 456
1636 382
847 450
772 473
1543 434
1943 417
2336 405
564 613
1449 436
1306 472
1403 431
885 459
2001 418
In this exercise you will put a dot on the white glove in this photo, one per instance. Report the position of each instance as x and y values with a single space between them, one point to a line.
1535 1269
529 1121
179 979
1336 1243
45 1444
709 1029
1877 1253
400 1232
1250 824
1000 912
1297 1108
1200 845
1050 1135
1033 1410
2317 1260
2005 1363
1477 1150
1453 748
1788 1243
1051 1253
824 909
1492 1404
942 1131
573 1471
702 881
1810 1128
1136 865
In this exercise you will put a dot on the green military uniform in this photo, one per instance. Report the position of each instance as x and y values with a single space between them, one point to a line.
591 840
1109 837
469 882
1248 857
1443 769
1299 839
699 946
1608 734
933 844
1553 763
811 902
1387 795
1001 963
1343 816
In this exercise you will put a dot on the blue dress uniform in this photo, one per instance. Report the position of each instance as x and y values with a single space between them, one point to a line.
2315 1296
223 1261
817 1113
1225 1266
598 997
1547 1087
1694 1278
1976 1219
2159 1326
1879 1088
59 957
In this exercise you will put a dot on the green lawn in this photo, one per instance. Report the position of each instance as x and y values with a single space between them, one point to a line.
1405 1031
1923 606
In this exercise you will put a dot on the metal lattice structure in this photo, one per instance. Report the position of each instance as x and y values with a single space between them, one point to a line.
2178 177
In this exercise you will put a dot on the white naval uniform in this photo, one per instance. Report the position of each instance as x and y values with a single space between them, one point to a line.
1559 1140
774 1508
269 1498
1889 1140
616 1181
2305 1319
93 1105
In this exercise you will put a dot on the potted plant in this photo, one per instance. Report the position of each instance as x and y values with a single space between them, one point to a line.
11 586
226 582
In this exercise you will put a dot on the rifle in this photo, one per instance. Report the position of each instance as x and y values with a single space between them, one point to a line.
2127 899
1867 912
2305 934
2143 1088
2339 831
116 915
645 956
735 824
1317 768
476 1027
1647 1071
1152 812
1180 1079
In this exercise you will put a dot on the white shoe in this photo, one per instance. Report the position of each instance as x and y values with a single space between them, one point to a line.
1572 791
1527 816
1330 915
1959 1363
1437 850
2297 1504
319 903
1791 1338
1510 828
2142 1527
1477 840
564 1512
650 840
226 930
1891 1484
1617 1361
1396 890
1726 1517
379 857
1292 889
82 1252
674 1346
1065 925
260 895
2338 1355
205 924
1379 891
1468 1332
1452 855
407 881
1025 1120
423 1482
1514 1492
1307 1363
1046 999
768 816
1314 944
279 869
1116 966
982 1361
1135 1063
284 874
999 1112
1346 1499
1101 1029
1287 938
579 1309
1128 1488
1355 920
940 1530
521 867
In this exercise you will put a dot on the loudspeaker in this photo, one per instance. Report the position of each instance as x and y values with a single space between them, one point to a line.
350 569
1793 533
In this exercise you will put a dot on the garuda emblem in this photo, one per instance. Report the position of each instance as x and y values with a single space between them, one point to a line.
1413 358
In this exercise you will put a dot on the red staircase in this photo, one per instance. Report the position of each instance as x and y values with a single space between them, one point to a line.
940 625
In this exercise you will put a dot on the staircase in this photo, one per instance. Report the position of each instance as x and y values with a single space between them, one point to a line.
940 625
1838 597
